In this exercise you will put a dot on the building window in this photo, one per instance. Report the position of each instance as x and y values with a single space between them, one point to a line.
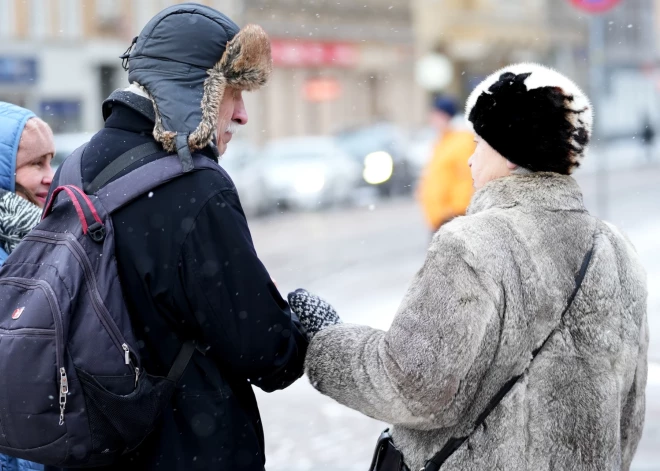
7 18
107 79
16 70
108 17
144 10
70 18
39 19
61 115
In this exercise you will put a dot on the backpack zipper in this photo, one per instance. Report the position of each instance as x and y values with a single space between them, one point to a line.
28 331
127 359
64 390
104 316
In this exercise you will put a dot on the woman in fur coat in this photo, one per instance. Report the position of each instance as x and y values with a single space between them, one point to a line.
521 343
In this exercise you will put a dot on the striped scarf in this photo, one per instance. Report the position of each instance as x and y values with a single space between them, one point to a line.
17 217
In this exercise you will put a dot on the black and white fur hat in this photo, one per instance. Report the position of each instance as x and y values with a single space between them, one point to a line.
533 116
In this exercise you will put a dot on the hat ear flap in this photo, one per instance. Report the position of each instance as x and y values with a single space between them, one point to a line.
165 138
214 91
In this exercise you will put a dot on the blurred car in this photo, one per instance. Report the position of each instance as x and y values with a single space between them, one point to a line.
244 165
381 151
421 147
240 161
66 143
309 172
424 139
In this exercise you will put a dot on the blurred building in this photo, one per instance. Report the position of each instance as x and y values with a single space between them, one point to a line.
614 55
479 36
337 63
630 84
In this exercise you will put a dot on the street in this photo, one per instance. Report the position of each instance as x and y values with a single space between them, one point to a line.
362 259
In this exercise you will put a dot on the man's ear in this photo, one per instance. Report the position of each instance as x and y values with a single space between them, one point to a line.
511 165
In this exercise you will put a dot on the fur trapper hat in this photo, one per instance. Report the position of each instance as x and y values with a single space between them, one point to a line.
533 116
184 58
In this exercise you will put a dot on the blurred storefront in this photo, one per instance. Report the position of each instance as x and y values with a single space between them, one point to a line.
336 64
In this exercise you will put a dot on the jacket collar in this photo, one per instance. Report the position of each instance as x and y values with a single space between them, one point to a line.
137 103
145 109
541 189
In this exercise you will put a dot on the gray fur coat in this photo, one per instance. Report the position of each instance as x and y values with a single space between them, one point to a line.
492 289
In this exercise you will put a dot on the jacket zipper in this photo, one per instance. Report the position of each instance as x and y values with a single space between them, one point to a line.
59 332
97 302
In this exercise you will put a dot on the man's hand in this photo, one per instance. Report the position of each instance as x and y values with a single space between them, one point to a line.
314 313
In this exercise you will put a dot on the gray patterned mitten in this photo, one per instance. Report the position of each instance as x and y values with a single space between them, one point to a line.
314 313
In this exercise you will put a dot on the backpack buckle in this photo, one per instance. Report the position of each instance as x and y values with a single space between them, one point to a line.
201 348
97 232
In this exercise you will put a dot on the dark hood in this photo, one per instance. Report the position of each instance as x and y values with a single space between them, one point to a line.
184 58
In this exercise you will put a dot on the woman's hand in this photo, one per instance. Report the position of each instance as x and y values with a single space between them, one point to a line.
314 313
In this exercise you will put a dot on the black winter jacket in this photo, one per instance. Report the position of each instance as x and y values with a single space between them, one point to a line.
189 270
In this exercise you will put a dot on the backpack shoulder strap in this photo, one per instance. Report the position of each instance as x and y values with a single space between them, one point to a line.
126 188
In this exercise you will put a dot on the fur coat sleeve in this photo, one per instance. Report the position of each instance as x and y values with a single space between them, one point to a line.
414 374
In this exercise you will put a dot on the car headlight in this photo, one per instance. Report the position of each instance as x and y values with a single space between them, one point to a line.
378 167
310 181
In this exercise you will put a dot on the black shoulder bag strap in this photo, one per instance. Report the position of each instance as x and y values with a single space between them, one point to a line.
453 444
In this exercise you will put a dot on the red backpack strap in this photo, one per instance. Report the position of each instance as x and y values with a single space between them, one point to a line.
87 200
74 201
74 194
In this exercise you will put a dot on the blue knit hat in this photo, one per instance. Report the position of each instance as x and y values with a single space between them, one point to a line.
445 104
12 123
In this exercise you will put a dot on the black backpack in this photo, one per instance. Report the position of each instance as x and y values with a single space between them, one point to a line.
73 392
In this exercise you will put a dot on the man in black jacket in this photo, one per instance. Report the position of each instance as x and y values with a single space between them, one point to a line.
185 256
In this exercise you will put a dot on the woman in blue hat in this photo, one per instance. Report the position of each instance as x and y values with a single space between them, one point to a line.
26 151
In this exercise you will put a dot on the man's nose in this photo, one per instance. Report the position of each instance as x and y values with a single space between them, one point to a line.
240 113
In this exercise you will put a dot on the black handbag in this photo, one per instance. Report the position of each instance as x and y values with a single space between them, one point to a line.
388 458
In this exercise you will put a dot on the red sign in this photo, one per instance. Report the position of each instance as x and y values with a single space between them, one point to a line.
322 89
595 6
290 53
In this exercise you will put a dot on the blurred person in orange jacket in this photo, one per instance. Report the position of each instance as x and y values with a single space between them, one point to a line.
445 187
